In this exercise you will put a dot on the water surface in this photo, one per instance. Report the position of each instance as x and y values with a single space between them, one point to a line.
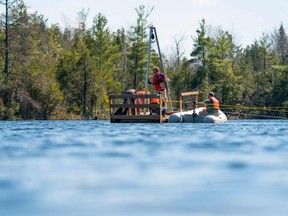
83 168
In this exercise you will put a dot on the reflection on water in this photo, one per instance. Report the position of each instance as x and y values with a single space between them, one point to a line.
97 168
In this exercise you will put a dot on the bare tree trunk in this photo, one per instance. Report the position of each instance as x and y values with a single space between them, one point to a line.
6 40
84 86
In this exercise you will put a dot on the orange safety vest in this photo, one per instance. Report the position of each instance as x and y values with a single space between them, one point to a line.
214 105
155 100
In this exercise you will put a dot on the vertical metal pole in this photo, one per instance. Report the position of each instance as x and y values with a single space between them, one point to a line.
160 55
162 66
148 60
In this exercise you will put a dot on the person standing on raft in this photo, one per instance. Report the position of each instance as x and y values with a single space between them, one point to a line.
159 80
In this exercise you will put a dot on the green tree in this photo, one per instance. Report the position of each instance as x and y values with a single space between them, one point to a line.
280 90
138 51
261 57
72 69
105 57
222 79
121 40
31 89
181 78
280 41
69 79
12 12
37 50
199 55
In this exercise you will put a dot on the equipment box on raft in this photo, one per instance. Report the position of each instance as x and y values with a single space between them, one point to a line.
135 108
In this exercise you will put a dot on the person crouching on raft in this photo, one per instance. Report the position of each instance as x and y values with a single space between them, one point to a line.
157 110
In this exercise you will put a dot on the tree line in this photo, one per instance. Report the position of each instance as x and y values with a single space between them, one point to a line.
50 72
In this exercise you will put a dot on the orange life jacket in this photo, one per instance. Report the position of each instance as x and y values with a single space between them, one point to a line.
214 105
154 100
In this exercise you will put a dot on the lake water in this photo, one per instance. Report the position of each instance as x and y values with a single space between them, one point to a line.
95 168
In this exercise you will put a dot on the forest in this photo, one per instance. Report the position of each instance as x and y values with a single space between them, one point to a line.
50 72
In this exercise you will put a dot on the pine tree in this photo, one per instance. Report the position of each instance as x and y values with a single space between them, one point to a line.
281 44
105 56
199 55
138 49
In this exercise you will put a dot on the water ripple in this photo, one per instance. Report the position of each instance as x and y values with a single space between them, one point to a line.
83 167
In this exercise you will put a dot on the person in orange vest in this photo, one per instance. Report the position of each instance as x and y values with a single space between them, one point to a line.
157 110
211 104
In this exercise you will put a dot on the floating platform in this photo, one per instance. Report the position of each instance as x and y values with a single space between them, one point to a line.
136 108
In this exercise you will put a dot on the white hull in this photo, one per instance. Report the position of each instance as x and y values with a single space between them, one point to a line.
188 117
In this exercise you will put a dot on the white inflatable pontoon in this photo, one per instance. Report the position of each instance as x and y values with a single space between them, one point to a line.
193 116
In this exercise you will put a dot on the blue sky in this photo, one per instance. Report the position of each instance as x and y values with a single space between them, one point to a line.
245 19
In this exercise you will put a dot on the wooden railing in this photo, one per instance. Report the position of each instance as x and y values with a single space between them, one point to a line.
195 94
135 108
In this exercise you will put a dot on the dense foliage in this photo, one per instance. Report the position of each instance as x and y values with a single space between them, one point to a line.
54 73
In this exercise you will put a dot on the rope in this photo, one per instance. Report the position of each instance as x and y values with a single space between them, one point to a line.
250 109
270 109
262 116
241 107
